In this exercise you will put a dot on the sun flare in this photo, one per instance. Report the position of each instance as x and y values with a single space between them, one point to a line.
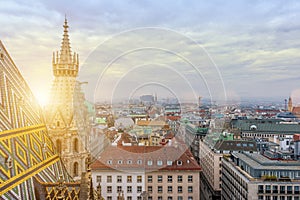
42 98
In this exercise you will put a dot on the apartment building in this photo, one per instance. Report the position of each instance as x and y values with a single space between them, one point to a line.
212 148
253 176
150 172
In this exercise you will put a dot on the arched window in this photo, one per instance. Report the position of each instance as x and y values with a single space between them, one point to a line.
75 169
58 146
75 145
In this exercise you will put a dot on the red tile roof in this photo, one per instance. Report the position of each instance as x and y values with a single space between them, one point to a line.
139 158
296 110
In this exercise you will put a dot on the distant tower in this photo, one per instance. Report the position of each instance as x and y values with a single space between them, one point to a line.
290 104
65 97
199 101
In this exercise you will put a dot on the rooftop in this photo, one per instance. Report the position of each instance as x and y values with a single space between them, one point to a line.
258 161
270 126
146 158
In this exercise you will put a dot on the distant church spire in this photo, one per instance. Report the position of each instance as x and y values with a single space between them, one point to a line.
290 105
64 64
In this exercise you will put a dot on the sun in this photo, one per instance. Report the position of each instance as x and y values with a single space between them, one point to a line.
42 99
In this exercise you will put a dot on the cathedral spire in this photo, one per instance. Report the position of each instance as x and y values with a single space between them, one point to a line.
65 52
65 64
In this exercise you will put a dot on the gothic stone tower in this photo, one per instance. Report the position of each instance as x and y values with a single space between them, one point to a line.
69 134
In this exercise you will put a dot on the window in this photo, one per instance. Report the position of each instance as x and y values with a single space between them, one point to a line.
75 145
170 198
268 188
150 189
139 198
109 197
120 162
159 189
275 189
139 179
109 189
119 179
129 161
260 197
119 188
139 189
260 189
170 179
159 162
169 162
190 189
75 169
179 198
109 162
170 189
159 198
129 198
282 197
109 179
275 198
179 179
190 198
289 189
149 162
190 178
159 178
179 162
282 189
150 198
139 162
129 189
98 179
179 189
129 179
58 146
149 179
296 189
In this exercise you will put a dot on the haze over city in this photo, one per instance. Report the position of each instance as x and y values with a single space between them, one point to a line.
252 47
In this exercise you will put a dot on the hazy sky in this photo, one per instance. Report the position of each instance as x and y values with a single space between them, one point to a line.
216 49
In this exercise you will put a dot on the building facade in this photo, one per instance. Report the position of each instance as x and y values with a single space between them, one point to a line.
153 172
212 149
254 177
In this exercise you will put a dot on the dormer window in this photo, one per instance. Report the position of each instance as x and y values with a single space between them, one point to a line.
179 162
139 162
169 162
149 162
120 162
129 162
159 162
253 127
109 162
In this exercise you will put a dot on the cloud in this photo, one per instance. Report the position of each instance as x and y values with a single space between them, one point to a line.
254 44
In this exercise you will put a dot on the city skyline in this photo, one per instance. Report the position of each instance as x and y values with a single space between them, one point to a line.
255 46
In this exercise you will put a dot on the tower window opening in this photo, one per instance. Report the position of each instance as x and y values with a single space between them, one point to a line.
75 169
75 145
58 146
